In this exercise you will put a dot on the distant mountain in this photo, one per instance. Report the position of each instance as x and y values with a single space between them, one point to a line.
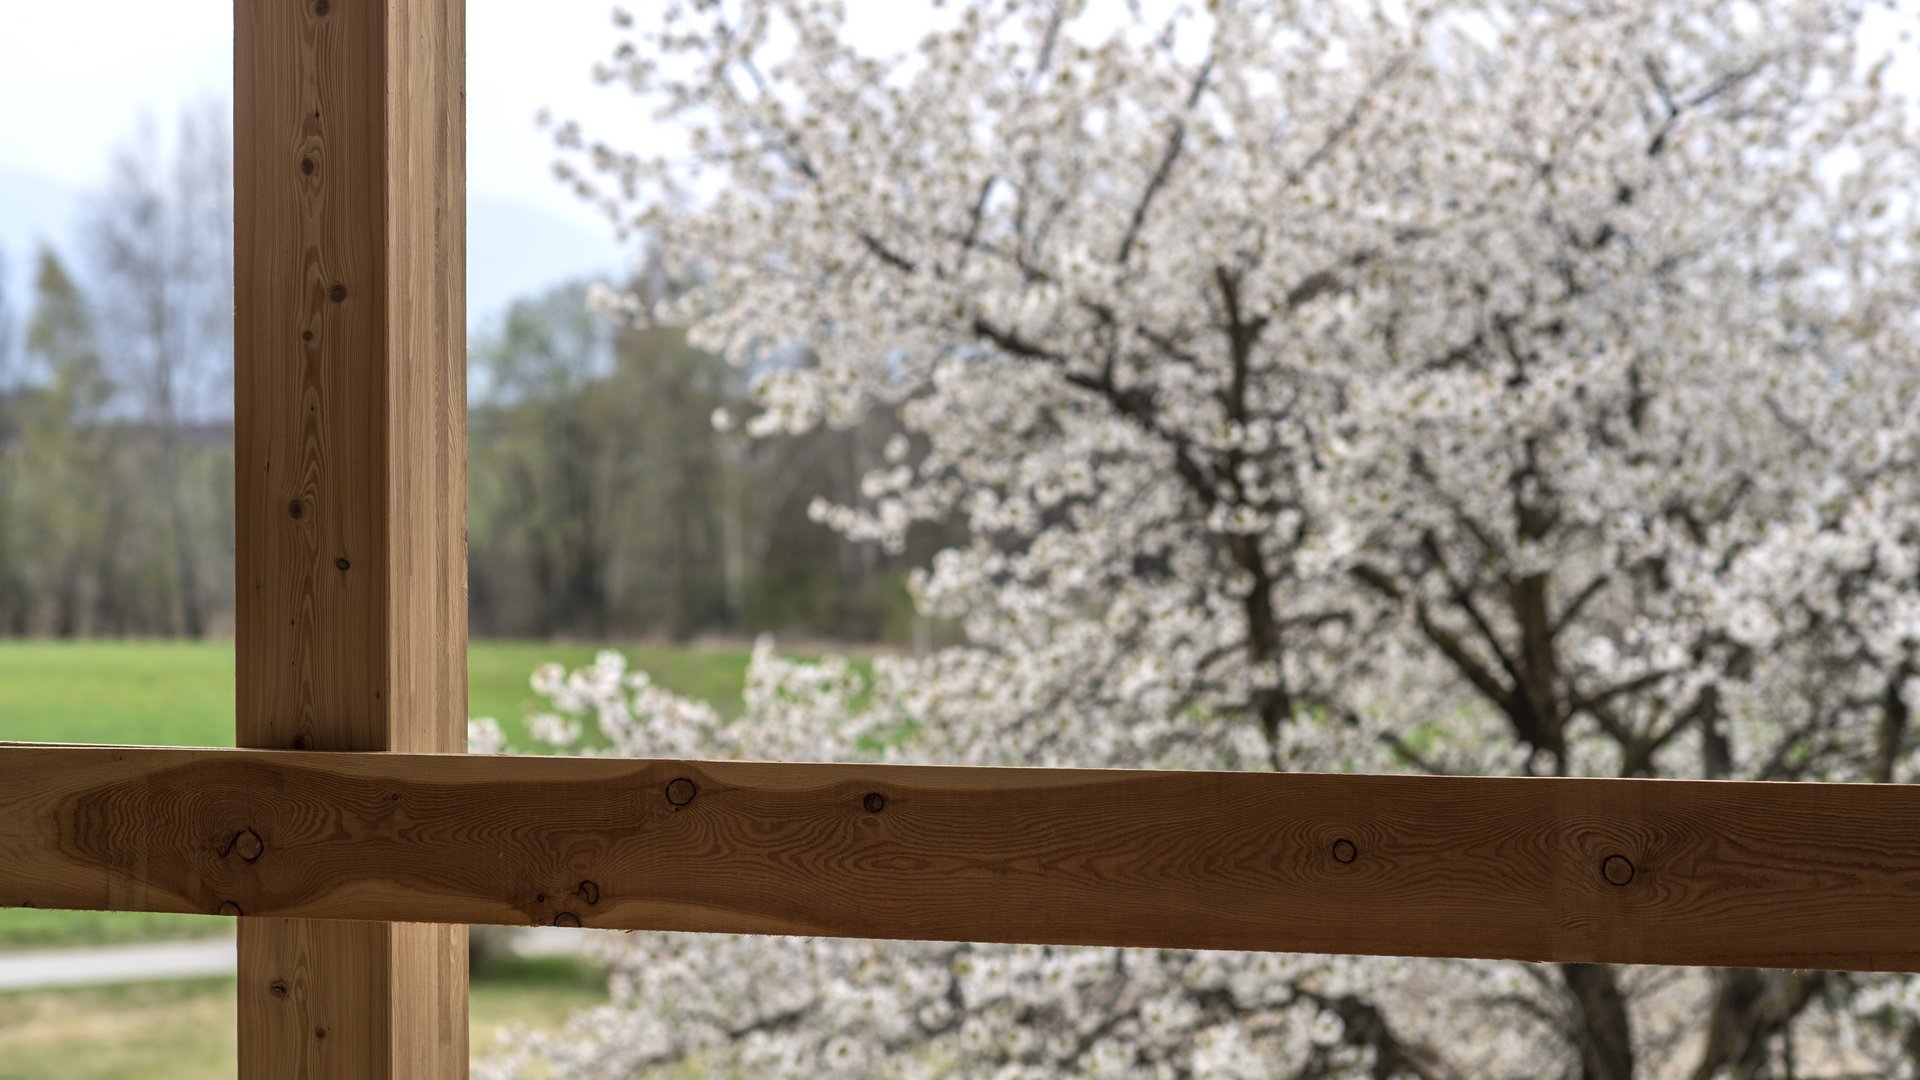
513 249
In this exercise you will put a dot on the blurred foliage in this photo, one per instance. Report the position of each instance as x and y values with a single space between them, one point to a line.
605 502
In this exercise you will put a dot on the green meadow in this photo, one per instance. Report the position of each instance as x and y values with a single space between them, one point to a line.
180 693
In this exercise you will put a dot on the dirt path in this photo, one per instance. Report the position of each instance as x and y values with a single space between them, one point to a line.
119 964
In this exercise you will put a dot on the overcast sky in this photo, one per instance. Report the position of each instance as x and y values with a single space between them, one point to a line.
75 78
77 75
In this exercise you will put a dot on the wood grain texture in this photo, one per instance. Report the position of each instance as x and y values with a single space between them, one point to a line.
1629 871
350 408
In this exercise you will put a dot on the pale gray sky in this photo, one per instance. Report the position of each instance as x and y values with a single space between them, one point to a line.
75 78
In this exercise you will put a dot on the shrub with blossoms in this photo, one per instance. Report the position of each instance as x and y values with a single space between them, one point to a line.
1492 386
813 1007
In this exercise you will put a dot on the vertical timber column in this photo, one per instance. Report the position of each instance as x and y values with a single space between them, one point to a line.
350 445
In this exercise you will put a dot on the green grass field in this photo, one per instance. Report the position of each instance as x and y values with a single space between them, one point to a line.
167 693
180 693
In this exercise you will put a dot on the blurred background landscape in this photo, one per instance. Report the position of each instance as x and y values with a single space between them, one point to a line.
606 508
605 503
1483 388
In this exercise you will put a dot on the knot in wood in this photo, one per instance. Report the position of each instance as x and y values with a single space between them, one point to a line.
1617 870
278 989
228 907
874 802
566 918
680 791
1344 851
588 891
337 293
248 845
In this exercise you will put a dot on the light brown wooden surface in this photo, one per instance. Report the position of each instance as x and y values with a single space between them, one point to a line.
349 126
1633 871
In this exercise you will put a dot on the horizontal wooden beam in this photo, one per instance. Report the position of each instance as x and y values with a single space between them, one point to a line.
1630 871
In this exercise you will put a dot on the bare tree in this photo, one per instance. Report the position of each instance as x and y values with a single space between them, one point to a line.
163 235
71 513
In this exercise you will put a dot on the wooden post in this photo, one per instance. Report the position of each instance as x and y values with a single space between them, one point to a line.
350 444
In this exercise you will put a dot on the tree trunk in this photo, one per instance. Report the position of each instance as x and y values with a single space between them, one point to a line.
193 612
1603 1033
1751 1009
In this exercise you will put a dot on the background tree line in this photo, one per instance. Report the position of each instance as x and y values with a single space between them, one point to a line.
604 501
116 492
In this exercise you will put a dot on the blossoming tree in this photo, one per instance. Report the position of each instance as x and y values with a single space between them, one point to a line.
1484 387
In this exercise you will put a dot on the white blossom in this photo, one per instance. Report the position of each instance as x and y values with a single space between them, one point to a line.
1487 387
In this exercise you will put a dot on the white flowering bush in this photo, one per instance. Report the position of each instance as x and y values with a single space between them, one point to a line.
1492 386
812 1007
